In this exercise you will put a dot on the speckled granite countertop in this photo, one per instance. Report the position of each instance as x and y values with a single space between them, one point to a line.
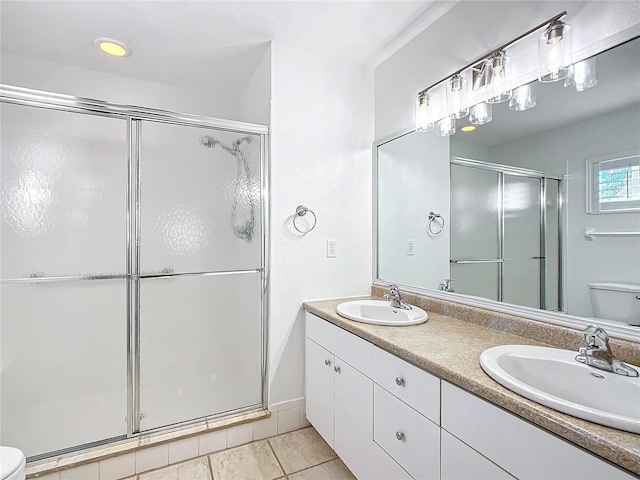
451 348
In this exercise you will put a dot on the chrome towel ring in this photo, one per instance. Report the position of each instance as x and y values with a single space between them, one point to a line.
433 218
301 211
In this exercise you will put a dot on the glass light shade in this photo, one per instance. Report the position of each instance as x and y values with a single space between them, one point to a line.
498 78
423 115
481 113
457 97
555 52
446 126
582 75
524 97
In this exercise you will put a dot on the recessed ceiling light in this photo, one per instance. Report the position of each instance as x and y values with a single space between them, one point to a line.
468 128
113 47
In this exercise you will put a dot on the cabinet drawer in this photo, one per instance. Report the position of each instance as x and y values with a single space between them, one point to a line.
524 450
352 349
412 385
410 438
461 462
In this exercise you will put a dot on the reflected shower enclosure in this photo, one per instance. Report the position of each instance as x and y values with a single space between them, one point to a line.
130 237
505 234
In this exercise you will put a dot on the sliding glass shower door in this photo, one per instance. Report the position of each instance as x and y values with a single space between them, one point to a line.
200 272
63 279
133 274
505 236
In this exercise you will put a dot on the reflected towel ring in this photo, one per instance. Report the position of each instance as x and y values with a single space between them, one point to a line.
433 217
301 211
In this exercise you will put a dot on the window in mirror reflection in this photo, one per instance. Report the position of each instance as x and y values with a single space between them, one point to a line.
615 184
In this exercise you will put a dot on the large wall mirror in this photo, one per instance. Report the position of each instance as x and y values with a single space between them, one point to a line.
536 211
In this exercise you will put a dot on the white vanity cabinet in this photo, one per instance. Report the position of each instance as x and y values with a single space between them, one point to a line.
388 419
339 403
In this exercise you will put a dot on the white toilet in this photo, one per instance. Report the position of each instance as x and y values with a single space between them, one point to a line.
616 302
12 464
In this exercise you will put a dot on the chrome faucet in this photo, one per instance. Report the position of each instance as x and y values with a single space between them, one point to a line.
445 285
598 354
396 298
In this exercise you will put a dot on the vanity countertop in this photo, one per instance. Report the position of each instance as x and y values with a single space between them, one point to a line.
451 348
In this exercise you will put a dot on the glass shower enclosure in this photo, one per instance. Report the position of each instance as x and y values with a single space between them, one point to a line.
505 234
133 274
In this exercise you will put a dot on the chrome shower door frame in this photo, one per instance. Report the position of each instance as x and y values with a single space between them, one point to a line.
503 170
134 115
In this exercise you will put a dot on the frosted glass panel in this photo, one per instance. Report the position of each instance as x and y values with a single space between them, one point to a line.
64 193
200 199
200 346
521 217
521 282
64 364
474 213
479 279
552 246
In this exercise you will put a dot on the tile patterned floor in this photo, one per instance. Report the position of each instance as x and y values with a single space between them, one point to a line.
299 455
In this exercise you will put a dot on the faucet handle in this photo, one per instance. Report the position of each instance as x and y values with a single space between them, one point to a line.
596 337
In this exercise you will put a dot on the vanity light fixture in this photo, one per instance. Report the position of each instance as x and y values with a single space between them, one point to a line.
481 113
113 47
446 126
492 72
524 97
423 115
582 75
457 96
555 52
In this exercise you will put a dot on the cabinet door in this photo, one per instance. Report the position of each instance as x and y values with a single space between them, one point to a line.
319 388
522 449
461 462
354 427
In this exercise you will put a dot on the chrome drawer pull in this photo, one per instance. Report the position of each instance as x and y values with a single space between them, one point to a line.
327 362
336 369
400 381
400 436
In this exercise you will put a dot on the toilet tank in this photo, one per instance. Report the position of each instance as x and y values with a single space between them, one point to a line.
616 301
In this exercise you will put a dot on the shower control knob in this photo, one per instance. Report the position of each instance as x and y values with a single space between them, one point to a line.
327 362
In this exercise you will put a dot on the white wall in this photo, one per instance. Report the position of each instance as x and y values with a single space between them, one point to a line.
565 150
81 82
472 29
321 134
254 104
407 193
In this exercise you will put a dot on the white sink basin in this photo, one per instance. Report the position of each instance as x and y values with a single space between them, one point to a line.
552 377
380 312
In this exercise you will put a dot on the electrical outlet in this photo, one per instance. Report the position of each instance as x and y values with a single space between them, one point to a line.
331 248
411 248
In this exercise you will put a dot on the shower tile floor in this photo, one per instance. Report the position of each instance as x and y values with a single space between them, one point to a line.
299 455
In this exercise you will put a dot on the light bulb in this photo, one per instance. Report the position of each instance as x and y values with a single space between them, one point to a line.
498 81
423 120
456 96
554 52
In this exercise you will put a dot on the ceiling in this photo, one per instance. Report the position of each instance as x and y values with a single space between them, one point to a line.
209 44
618 86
